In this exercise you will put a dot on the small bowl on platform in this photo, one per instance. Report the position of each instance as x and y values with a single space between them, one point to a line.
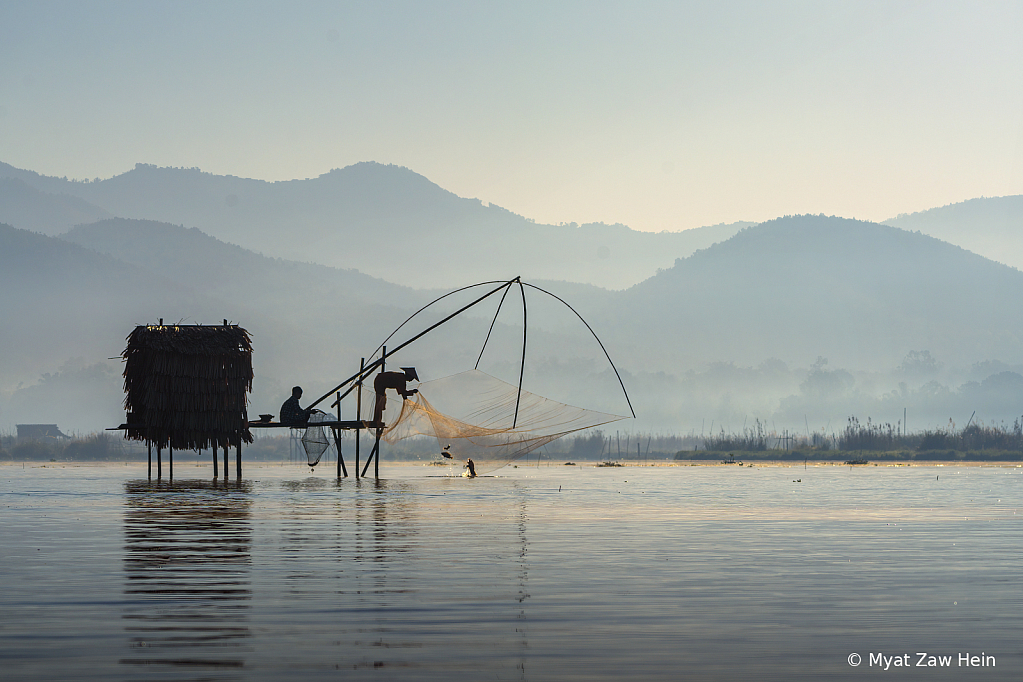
265 418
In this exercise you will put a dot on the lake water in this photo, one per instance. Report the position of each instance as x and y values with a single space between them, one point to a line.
550 573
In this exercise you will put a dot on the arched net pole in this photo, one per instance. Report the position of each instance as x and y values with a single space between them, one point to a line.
610 361
522 367
441 298
376 363
492 323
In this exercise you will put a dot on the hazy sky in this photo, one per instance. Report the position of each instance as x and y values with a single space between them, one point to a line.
657 115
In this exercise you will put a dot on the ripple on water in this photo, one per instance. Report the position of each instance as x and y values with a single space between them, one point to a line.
550 573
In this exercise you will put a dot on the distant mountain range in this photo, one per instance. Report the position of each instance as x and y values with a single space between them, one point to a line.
990 226
862 295
717 332
386 221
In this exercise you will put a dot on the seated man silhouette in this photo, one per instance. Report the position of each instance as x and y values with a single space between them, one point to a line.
396 380
292 413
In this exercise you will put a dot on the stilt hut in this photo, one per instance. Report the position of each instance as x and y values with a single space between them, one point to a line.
186 387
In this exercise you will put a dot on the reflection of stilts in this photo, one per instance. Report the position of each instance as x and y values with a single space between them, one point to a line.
187 588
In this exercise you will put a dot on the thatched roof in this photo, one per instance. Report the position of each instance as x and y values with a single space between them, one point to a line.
186 385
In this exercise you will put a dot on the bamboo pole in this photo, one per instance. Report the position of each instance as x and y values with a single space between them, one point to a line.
216 469
149 449
373 365
358 415
238 456
159 462
522 369
170 461
337 442
376 446
374 452
225 460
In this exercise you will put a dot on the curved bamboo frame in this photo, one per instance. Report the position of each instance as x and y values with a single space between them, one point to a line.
506 287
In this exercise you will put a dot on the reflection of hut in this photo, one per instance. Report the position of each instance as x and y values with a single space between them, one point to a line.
185 386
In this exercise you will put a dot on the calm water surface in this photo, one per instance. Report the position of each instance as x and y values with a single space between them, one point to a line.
552 573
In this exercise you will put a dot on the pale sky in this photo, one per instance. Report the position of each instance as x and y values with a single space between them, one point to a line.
658 115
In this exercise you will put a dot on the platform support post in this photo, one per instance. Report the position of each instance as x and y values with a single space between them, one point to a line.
374 456
341 469
216 467
358 415
376 445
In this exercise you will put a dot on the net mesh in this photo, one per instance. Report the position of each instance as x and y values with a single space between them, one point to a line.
315 440
474 414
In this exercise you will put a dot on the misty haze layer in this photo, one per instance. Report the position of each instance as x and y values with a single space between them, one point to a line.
803 320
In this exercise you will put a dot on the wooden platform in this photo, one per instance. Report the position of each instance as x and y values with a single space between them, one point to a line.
344 425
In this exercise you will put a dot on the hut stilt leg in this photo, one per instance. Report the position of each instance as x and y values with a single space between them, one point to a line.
159 462
149 450
170 462
225 462
238 458
216 469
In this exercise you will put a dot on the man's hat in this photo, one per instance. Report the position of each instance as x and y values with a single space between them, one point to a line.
410 373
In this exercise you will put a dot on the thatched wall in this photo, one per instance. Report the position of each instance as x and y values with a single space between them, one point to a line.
187 386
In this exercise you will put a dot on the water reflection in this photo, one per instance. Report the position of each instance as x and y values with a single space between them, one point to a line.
523 518
187 564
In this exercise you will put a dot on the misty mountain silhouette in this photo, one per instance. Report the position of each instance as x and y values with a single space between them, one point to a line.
32 209
989 226
860 293
62 300
785 292
383 220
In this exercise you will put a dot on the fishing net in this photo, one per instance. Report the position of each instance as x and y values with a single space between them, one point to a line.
315 440
474 413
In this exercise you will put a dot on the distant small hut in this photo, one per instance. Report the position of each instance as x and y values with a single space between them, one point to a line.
186 386
40 432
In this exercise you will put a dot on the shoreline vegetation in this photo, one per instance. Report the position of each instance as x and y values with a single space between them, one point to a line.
858 443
